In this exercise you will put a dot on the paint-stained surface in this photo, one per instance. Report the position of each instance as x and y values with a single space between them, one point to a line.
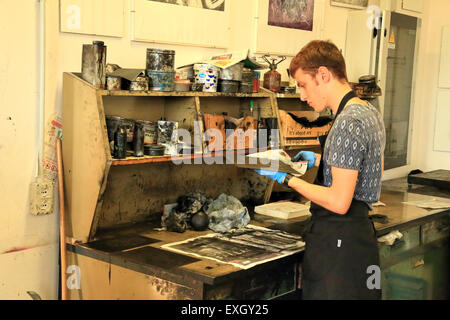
139 192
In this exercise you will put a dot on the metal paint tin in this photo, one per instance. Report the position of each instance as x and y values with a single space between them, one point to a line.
246 87
129 127
160 60
93 65
113 83
161 81
140 84
208 75
185 72
154 150
150 132
197 87
256 81
232 73
120 143
112 124
228 86
247 75
138 138
182 85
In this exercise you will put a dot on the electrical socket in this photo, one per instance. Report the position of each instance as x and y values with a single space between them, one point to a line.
41 196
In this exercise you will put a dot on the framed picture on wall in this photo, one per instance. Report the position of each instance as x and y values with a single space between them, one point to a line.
353 4
294 14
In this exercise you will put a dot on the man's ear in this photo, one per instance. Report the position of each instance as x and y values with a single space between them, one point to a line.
324 74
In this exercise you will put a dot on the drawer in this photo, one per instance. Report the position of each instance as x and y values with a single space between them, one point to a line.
267 284
436 230
410 240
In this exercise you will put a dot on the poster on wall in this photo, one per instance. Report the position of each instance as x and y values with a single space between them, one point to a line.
294 14
218 5
202 23
284 27
354 4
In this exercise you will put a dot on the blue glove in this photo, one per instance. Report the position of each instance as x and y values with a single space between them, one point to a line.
305 156
274 175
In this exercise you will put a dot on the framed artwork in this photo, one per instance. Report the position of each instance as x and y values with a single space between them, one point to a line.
353 4
203 23
294 14
283 27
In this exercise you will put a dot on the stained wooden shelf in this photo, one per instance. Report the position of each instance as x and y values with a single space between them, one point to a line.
169 158
126 93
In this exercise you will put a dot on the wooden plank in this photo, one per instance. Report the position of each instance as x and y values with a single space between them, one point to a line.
84 153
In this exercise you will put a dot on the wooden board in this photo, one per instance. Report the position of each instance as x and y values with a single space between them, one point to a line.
85 155
295 134
283 210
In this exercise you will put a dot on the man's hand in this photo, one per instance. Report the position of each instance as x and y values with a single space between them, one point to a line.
306 156
274 175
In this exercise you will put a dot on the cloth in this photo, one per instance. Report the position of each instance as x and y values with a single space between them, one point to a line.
357 141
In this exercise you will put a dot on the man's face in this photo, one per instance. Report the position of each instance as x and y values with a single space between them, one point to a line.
311 90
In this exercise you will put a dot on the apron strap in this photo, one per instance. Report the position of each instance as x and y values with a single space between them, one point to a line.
322 139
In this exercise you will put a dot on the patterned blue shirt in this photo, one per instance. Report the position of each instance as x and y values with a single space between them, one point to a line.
357 141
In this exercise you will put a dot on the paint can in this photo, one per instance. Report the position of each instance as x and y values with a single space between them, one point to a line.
154 150
93 65
256 81
112 124
247 75
197 87
120 143
160 60
232 73
182 85
161 81
228 86
150 132
139 84
208 75
138 138
185 73
113 83
129 127
246 87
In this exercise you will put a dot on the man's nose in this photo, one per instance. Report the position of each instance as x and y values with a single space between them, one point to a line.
303 96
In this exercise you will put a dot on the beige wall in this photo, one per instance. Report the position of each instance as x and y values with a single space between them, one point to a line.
437 13
35 267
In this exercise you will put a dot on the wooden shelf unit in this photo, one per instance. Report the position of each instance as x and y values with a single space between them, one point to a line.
104 192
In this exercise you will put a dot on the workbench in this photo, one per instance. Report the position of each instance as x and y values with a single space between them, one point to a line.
414 267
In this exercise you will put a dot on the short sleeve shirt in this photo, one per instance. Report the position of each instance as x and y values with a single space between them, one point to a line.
357 141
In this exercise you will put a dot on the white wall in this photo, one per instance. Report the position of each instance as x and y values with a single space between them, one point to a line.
437 13
28 244
35 267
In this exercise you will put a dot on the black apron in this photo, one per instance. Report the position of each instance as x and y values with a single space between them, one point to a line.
339 248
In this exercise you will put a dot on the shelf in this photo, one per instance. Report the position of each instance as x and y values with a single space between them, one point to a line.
126 93
168 158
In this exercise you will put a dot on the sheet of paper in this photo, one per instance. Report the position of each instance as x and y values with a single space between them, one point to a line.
430 204
242 248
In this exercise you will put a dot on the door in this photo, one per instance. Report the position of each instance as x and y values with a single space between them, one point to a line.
396 70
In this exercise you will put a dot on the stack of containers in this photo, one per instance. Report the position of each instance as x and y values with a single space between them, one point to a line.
207 75
247 81
183 78
160 69
230 78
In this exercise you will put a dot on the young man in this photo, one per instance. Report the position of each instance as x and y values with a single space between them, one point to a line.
341 246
